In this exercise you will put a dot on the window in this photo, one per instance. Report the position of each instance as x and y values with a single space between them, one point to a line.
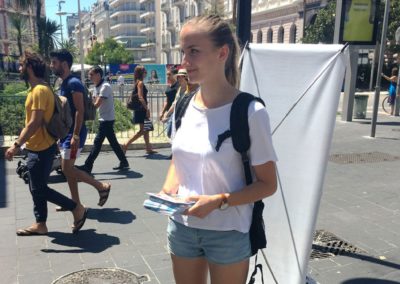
270 35
259 36
281 34
293 31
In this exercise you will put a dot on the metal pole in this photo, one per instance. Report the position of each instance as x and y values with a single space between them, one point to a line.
81 43
378 73
243 23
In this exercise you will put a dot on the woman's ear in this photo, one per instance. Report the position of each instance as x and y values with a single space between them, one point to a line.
224 52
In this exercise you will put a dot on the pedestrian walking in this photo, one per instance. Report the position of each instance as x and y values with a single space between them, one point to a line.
41 146
171 90
121 84
72 145
392 88
104 101
213 235
140 115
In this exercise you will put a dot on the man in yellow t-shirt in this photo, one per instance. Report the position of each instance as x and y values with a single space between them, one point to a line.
39 107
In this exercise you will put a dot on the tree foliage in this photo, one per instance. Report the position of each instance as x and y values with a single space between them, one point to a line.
71 46
112 52
322 30
49 36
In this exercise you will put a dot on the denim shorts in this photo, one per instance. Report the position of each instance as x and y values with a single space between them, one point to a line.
220 247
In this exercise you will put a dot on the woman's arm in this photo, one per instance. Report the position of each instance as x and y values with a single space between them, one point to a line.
264 186
140 94
171 183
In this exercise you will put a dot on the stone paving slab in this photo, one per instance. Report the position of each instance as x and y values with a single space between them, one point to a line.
360 204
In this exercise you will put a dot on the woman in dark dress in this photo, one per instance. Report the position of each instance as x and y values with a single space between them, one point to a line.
140 115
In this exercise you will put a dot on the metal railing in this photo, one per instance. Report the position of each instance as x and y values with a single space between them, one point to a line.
12 113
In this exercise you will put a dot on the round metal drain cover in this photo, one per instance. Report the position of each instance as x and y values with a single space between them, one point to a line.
101 276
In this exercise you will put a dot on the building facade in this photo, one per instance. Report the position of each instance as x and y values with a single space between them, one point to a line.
152 30
8 35
281 21
118 19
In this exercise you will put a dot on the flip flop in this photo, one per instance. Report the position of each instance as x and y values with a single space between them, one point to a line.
79 224
150 152
27 232
104 195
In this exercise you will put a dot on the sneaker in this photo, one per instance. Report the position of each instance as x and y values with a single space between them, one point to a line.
85 168
122 166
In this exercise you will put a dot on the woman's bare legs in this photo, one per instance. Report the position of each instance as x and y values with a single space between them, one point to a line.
134 138
190 270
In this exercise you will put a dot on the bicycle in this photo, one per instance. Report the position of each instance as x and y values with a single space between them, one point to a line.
386 105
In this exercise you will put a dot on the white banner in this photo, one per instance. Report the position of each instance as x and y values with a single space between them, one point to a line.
302 83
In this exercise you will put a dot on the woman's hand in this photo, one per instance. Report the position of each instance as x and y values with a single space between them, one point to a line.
204 205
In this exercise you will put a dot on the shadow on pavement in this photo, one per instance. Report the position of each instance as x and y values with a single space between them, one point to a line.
123 173
389 123
84 241
157 156
111 215
369 281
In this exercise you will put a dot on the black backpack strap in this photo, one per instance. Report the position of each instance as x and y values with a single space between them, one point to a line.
240 131
180 108
253 275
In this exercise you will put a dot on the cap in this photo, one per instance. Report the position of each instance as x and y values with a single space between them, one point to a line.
182 72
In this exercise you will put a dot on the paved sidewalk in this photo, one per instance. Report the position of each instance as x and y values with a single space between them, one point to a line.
360 204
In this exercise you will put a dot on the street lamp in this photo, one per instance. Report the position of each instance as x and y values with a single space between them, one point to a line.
397 100
61 13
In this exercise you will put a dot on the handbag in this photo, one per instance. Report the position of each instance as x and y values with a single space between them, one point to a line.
133 102
148 125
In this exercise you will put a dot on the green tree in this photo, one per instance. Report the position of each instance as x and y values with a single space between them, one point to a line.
112 51
322 30
19 24
71 46
49 36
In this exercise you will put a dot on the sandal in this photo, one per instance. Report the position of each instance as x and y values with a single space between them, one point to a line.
150 152
79 224
103 194
28 232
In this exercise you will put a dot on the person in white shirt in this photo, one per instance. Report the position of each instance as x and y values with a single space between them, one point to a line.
121 83
213 235
104 101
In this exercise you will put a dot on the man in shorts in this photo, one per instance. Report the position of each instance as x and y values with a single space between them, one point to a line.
72 145
41 147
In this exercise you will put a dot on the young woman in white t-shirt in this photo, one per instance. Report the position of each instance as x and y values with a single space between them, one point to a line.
213 234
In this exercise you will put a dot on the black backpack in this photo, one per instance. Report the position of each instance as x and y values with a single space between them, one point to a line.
239 131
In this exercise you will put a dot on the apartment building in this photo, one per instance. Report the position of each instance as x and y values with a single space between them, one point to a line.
8 36
118 19
152 30
282 21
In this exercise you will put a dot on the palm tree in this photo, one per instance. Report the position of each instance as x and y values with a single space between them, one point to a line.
28 4
48 36
71 46
19 24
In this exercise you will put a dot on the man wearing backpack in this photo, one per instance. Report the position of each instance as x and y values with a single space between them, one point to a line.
71 146
41 146
104 101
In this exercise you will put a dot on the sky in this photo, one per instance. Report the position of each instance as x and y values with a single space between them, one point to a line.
70 6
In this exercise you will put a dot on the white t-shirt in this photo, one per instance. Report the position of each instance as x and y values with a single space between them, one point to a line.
121 80
201 170
106 109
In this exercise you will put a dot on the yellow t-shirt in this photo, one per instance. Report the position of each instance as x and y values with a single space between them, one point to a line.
39 98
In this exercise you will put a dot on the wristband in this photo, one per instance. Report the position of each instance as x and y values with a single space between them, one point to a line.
16 144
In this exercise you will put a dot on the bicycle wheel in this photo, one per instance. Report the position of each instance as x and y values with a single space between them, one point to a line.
385 104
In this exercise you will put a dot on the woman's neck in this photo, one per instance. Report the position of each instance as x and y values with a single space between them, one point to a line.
216 94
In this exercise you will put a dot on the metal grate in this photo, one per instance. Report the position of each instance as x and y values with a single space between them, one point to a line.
326 245
362 158
102 275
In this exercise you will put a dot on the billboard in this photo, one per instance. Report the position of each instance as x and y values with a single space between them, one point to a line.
156 74
359 21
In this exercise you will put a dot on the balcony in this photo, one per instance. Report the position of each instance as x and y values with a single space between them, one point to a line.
165 7
143 1
147 15
117 25
148 30
178 2
148 59
114 3
124 12
147 44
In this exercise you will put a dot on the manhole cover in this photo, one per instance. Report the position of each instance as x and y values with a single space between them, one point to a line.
362 158
326 245
102 276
